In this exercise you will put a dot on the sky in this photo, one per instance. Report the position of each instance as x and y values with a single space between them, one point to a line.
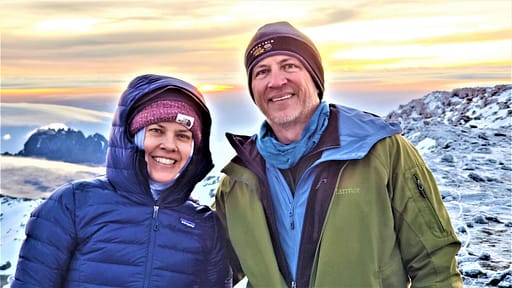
376 54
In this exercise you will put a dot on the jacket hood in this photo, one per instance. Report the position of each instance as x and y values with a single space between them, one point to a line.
358 132
126 168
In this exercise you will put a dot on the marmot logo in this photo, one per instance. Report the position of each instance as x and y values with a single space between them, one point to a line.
348 191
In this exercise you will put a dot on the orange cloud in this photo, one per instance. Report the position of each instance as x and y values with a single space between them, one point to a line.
38 92
204 88
467 37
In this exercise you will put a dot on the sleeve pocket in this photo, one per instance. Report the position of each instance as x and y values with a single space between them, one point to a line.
429 204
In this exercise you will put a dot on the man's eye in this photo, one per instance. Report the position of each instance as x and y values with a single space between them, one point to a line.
290 66
261 72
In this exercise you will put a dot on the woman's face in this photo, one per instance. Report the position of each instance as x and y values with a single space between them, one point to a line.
167 147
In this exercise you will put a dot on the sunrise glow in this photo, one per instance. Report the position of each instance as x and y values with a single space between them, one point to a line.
386 44
213 88
35 92
66 25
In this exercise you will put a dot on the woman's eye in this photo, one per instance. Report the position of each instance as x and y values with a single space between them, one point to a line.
184 136
155 130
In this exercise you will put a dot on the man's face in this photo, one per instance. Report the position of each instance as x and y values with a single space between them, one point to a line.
284 91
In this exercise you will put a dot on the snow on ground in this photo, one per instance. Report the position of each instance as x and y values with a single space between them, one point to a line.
14 213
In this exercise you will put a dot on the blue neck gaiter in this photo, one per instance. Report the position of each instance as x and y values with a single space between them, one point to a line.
285 156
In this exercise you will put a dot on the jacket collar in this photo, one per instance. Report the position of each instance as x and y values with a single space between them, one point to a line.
247 152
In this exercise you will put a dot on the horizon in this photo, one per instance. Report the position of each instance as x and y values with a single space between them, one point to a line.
231 114
250 123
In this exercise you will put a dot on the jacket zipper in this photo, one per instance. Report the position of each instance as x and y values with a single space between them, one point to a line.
290 213
291 208
423 194
317 249
155 217
151 244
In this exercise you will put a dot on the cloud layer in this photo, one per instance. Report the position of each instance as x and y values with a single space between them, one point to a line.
37 114
203 42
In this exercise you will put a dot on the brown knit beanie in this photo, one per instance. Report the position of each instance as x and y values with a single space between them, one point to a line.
282 38
168 106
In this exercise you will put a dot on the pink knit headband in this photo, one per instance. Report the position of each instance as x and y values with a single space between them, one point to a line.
168 111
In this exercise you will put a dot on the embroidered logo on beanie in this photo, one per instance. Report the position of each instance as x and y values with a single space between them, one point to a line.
262 47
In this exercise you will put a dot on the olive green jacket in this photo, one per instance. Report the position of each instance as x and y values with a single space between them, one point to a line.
385 224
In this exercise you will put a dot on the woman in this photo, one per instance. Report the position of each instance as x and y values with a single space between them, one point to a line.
136 227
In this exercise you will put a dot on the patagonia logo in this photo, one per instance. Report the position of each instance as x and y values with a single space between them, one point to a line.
187 223
348 191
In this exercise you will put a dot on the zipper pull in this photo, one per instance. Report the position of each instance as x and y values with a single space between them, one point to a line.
322 181
155 217
292 222
293 284
421 189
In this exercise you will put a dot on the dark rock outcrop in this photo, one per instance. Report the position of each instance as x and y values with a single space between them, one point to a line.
66 145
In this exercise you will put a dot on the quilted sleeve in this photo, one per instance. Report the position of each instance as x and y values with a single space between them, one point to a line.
49 244
218 270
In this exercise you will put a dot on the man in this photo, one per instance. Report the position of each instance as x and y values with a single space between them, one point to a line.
325 195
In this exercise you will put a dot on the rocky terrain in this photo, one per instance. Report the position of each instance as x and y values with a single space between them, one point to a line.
465 137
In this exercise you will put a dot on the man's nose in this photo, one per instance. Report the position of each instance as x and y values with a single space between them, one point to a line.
277 79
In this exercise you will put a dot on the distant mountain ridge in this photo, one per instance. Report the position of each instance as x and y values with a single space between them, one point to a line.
479 107
66 145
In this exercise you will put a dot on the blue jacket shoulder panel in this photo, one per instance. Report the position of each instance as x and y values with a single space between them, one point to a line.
358 132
